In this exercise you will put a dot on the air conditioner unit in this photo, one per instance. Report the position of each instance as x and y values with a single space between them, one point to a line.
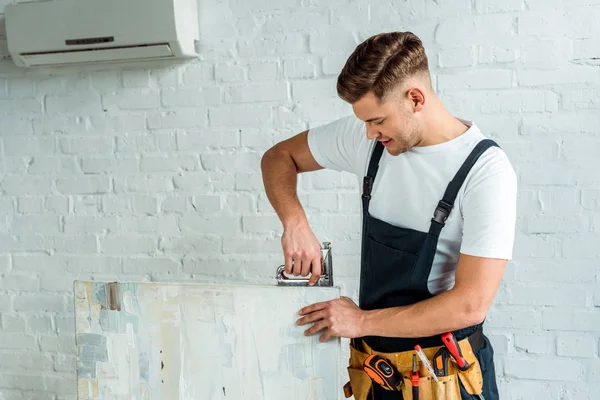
67 32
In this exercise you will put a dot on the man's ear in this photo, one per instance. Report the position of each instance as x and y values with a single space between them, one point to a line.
416 97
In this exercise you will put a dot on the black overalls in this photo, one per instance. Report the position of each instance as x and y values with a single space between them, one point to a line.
395 266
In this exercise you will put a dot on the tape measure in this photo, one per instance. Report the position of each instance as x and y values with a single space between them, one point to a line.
382 372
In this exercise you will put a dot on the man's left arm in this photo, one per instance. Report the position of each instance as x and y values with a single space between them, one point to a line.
476 283
489 215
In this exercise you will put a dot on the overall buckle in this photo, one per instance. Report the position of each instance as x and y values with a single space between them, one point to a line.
367 187
442 212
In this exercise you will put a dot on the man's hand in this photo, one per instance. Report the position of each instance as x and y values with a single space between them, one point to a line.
340 317
302 251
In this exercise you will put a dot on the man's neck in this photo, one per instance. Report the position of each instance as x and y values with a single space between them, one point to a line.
443 128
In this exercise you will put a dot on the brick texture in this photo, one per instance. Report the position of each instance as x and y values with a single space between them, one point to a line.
150 172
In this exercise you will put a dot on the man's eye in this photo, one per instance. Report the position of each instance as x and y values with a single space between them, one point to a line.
380 122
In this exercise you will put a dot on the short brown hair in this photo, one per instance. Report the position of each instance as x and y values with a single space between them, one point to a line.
380 63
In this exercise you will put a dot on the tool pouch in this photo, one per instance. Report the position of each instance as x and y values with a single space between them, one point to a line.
360 383
472 378
446 388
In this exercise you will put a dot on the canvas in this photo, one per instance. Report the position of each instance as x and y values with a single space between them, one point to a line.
158 341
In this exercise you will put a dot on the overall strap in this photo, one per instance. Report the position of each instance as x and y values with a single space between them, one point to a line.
370 177
445 205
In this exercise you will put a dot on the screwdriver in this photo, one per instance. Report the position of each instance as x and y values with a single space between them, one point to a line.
382 372
423 358
454 349
414 379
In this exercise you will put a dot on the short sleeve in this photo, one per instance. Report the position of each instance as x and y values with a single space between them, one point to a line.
489 209
337 145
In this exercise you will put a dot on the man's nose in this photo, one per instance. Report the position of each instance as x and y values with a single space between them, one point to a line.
372 133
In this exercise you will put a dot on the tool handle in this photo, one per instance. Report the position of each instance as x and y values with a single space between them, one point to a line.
414 378
454 349
440 362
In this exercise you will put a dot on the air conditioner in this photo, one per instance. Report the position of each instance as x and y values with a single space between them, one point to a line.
67 32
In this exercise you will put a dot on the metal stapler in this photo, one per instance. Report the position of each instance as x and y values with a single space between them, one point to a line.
326 278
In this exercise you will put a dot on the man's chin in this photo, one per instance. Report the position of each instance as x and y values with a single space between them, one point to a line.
395 150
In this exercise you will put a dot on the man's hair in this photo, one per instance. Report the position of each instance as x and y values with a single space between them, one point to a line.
380 64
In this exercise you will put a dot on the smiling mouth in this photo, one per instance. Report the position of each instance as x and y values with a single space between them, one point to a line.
386 142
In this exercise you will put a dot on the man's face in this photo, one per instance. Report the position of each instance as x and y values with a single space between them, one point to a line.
392 122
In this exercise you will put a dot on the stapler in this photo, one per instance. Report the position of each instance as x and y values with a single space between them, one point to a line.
326 278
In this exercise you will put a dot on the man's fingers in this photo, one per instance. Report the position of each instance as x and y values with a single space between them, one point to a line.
315 316
305 267
319 326
316 271
325 335
297 266
313 307
288 264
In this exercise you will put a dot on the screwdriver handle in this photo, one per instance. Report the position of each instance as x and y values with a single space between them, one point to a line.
415 378
454 349
415 392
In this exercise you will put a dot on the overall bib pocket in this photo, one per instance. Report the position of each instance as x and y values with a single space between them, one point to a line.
392 266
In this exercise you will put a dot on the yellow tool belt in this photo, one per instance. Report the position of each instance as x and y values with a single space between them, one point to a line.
446 389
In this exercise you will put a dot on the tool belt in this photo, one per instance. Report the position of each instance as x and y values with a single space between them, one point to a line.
447 388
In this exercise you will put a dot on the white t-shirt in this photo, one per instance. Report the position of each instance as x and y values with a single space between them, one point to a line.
409 186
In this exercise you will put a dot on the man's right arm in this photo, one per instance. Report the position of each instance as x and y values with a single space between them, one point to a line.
280 166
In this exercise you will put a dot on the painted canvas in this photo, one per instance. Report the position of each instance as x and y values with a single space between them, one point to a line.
170 341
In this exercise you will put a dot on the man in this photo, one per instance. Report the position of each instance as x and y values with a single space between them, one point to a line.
438 210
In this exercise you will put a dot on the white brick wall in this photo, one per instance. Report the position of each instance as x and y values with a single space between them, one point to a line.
152 171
